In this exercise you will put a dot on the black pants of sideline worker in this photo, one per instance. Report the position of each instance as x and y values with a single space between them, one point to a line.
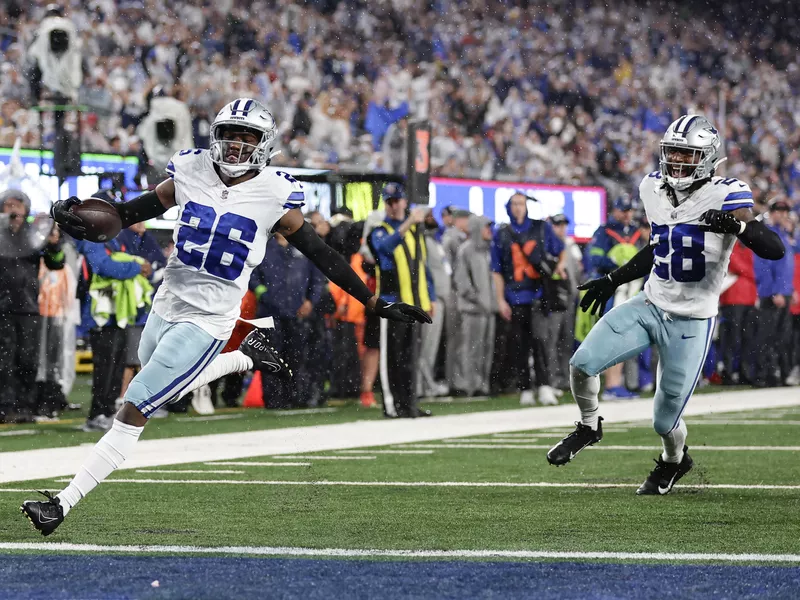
108 364
19 360
773 362
398 368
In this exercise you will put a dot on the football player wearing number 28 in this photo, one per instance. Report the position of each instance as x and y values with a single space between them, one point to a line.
695 219
228 208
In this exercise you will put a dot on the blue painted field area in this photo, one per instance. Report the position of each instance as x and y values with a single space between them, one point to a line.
81 576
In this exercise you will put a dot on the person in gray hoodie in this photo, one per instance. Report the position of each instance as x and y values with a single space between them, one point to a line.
476 303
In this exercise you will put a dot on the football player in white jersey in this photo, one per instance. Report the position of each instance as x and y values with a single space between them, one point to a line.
695 219
229 206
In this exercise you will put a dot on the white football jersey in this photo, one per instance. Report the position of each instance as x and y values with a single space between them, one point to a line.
690 263
220 237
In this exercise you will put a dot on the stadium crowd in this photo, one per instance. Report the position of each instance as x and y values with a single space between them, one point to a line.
549 91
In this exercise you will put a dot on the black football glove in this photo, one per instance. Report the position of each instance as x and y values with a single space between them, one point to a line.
68 222
720 221
598 293
400 311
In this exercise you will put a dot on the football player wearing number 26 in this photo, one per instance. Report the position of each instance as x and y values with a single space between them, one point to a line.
228 208
695 219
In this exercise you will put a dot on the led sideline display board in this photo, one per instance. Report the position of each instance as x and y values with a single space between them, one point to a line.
584 206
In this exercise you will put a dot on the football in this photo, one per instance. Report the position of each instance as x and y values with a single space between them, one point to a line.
100 218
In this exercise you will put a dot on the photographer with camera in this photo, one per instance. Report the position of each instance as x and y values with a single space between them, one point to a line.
524 252
165 130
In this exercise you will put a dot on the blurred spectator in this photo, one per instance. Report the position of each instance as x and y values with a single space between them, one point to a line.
774 282
737 321
612 245
523 251
288 287
372 327
395 147
56 300
454 235
399 246
431 336
113 274
22 245
137 241
476 303
561 300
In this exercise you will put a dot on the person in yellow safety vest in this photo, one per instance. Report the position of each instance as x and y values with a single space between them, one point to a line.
399 247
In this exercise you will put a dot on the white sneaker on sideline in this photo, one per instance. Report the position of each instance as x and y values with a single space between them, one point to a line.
526 398
99 423
201 401
118 403
546 396
794 376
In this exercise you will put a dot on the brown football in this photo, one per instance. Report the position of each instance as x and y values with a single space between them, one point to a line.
100 219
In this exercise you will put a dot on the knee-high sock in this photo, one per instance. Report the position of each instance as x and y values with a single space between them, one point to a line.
225 364
585 389
107 455
673 443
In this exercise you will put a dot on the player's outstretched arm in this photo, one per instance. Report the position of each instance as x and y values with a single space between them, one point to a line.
743 224
147 206
599 291
303 237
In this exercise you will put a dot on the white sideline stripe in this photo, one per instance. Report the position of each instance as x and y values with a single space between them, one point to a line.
385 451
205 472
258 464
467 484
367 552
606 447
452 400
47 463
14 432
212 418
303 411
315 457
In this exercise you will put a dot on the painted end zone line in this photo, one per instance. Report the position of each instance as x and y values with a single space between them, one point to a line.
374 553
523 446
470 484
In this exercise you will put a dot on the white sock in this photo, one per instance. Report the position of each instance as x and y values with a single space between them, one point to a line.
106 456
585 389
225 364
673 443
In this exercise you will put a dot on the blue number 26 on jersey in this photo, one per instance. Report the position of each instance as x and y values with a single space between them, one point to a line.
226 254
687 263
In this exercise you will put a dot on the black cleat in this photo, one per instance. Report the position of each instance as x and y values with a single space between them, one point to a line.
256 346
45 516
565 450
662 479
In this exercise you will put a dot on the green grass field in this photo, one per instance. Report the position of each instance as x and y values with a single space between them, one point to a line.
383 502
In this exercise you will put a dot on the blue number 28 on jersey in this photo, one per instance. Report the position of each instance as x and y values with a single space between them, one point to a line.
687 263
226 254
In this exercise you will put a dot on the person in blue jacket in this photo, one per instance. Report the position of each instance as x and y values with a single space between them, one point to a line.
136 240
612 245
523 252
288 286
774 283
109 341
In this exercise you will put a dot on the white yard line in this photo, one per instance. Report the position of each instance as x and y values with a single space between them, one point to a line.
715 421
375 553
212 418
602 446
204 472
14 432
456 484
46 463
303 411
385 451
258 464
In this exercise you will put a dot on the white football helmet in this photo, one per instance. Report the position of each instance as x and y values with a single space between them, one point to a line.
251 115
695 134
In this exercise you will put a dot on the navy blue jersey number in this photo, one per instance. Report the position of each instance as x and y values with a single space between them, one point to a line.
687 263
226 254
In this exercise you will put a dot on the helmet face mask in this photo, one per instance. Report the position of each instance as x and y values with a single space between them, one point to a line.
242 137
690 151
